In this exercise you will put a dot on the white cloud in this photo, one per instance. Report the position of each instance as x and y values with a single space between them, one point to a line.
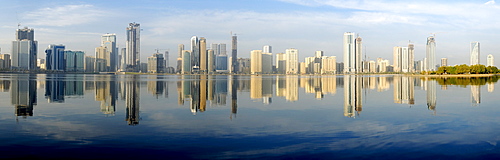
64 15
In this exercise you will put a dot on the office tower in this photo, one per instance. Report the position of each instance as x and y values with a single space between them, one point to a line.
430 63
101 61
211 61
24 50
89 64
166 60
319 54
234 55
23 94
74 61
328 65
55 57
155 63
411 57
186 62
352 53
203 55
280 63
123 53
403 59
490 60
109 42
474 53
267 49
195 54
267 63
221 64
292 61
444 61
5 61
180 48
133 48
256 62
302 68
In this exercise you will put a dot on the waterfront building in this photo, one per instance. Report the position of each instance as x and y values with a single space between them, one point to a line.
74 61
109 42
280 63
89 64
155 63
5 62
132 59
203 55
292 61
55 57
195 54
444 61
352 53
430 61
234 54
328 64
490 60
186 62
24 50
474 53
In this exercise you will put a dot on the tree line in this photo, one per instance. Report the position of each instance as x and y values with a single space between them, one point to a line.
464 69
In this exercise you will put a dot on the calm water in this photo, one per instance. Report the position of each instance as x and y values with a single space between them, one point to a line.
233 117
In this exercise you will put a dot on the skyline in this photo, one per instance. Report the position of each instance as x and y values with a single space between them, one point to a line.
320 24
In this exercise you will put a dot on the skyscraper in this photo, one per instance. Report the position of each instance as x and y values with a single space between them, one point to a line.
155 63
292 61
195 54
180 48
403 59
109 41
55 58
203 55
186 62
24 50
444 61
74 61
430 64
267 49
352 53
490 60
256 62
234 54
132 58
474 53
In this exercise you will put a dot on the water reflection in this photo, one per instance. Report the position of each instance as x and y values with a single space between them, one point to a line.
200 92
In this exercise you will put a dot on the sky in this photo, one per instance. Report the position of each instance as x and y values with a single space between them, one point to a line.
307 25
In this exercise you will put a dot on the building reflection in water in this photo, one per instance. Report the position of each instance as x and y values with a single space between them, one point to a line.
261 89
352 95
23 94
475 91
404 90
320 86
132 99
54 88
220 91
430 87
234 96
106 92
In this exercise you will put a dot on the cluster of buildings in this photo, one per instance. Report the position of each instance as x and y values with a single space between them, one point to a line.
200 59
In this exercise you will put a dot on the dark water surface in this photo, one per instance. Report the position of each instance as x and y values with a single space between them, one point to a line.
248 117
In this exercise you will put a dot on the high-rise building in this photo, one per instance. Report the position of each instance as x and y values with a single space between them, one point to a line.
280 63
444 61
403 59
474 53
328 64
155 63
24 50
430 63
101 59
195 54
292 61
180 48
256 62
133 55
5 61
352 53
267 49
55 57
74 61
211 61
319 54
234 54
89 63
203 55
186 62
267 63
109 41
490 60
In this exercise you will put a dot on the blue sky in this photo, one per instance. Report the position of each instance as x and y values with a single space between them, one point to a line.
307 25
